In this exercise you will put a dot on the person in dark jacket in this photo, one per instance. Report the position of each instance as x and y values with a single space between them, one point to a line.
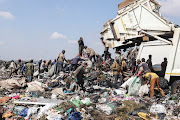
79 75
39 65
99 61
29 71
163 67
74 62
81 45
149 62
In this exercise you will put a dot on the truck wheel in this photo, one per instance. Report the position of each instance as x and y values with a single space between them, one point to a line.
175 87
163 83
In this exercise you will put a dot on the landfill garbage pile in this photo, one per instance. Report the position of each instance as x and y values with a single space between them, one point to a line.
58 97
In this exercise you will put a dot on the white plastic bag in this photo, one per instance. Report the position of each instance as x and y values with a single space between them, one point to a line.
158 108
144 89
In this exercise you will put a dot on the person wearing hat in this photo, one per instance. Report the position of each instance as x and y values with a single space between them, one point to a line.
61 58
81 45
79 75
116 69
29 70
154 79
91 53
74 62
19 66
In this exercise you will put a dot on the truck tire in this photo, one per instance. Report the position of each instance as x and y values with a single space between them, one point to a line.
175 87
163 83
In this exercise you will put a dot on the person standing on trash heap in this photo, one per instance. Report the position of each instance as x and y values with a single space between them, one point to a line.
23 68
79 75
39 64
149 62
13 68
81 45
116 69
54 62
61 58
124 66
19 66
133 65
91 53
42 66
29 70
99 61
163 67
47 65
74 62
154 79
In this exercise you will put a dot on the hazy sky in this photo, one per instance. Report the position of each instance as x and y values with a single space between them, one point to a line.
42 28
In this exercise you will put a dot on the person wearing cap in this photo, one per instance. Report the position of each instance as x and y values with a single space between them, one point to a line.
61 58
74 62
91 53
19 66
116 69
154 79
29 70
79 75
81 45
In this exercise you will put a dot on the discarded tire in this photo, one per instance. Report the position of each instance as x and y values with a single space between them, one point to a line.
163 83
175 87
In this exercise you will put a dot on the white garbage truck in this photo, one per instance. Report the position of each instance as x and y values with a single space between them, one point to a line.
140 23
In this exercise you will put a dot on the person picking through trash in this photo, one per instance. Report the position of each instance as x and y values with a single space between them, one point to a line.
91 53
81 45
154 79
74 62
142 67
79 75
29 70
61 59
116 69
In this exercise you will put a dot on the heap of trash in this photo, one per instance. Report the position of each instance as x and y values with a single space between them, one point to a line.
58 97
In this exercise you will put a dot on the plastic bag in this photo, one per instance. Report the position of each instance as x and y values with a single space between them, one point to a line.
158 109
24 112
144 89
134 86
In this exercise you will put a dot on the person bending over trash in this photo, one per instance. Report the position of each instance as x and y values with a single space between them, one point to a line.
79 75
74 62
91 53
154 79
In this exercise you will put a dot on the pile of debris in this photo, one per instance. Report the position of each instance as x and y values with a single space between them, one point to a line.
59 97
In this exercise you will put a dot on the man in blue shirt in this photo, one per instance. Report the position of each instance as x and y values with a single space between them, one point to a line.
74 62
